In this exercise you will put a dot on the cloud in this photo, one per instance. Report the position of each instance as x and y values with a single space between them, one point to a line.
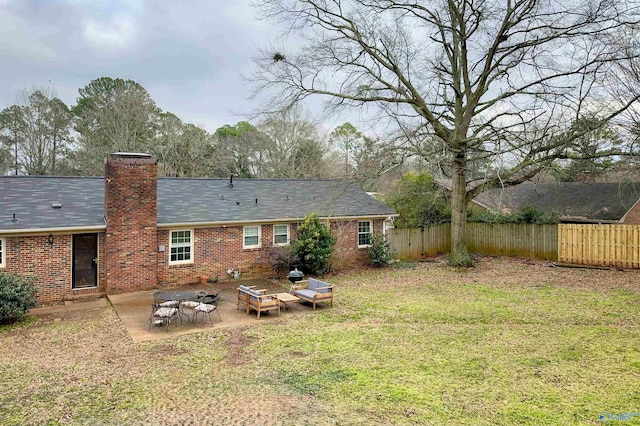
114 34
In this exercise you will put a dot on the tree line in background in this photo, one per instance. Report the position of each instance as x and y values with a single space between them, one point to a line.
41 135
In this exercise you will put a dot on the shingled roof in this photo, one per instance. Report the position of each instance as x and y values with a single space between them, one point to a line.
571 200
180 201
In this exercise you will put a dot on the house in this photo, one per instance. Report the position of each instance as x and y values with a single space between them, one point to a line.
574 202
89 236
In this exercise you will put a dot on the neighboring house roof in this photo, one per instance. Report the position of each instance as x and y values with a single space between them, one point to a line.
181 201
572 200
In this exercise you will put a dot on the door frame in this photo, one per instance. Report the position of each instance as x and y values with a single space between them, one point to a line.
95 262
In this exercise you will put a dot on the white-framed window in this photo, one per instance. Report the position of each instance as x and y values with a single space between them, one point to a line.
280 235
3 252
365 229
252 237
181 246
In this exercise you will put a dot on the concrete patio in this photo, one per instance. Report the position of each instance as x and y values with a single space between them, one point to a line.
134 310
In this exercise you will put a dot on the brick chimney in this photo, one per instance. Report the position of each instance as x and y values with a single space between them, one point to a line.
132 222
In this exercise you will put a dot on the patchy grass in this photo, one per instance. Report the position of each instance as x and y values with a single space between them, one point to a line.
508 342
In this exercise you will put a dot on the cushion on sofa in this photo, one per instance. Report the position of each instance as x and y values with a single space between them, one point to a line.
243 288
315 284
305 294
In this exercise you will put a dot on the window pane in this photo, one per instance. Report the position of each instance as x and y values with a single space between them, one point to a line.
251 231
364 239
180 246
280 234
251 241
364 227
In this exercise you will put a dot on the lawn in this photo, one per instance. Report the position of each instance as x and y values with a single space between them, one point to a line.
508 342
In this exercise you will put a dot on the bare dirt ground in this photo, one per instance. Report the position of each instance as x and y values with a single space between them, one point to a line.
65 360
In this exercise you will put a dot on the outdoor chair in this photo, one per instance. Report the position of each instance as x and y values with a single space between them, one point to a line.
243 294
168 304
193 304
163 314
261 302
206 308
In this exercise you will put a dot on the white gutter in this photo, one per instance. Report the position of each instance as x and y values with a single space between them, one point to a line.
266 221
97 228
67 230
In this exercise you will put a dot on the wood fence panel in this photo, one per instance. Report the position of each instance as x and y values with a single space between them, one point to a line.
416 243
523 240
599 245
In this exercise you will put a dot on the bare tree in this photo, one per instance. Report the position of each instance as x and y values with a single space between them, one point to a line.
38 127
183 150
11 125
293 147
498 80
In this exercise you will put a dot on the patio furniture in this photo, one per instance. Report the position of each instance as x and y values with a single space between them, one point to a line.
162 315
285 298
257 300
205 308
313 291
243 294
193 304
212 297
172 297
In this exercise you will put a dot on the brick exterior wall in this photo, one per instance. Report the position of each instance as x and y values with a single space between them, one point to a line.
346 254
51 266
131 215
218 249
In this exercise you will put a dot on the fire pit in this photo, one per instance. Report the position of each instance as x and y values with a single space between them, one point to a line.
295 276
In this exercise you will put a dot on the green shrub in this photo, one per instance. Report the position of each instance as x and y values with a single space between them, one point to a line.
378 251
528 214
17 296
460 259
531 214
419 201
313 245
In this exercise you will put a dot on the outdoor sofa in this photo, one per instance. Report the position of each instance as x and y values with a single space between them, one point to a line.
313 291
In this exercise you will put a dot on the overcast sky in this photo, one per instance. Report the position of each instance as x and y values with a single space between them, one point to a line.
187 54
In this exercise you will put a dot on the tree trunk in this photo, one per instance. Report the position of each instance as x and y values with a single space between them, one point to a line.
459 253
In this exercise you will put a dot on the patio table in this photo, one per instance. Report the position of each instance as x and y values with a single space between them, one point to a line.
285 298
180 296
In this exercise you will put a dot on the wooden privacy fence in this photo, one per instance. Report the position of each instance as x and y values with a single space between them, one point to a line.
603 245
415 243
524 240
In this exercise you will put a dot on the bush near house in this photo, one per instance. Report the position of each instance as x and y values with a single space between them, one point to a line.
378 252
313 245
17 296
281 260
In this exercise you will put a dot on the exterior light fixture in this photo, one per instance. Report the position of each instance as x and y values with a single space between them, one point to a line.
50 240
